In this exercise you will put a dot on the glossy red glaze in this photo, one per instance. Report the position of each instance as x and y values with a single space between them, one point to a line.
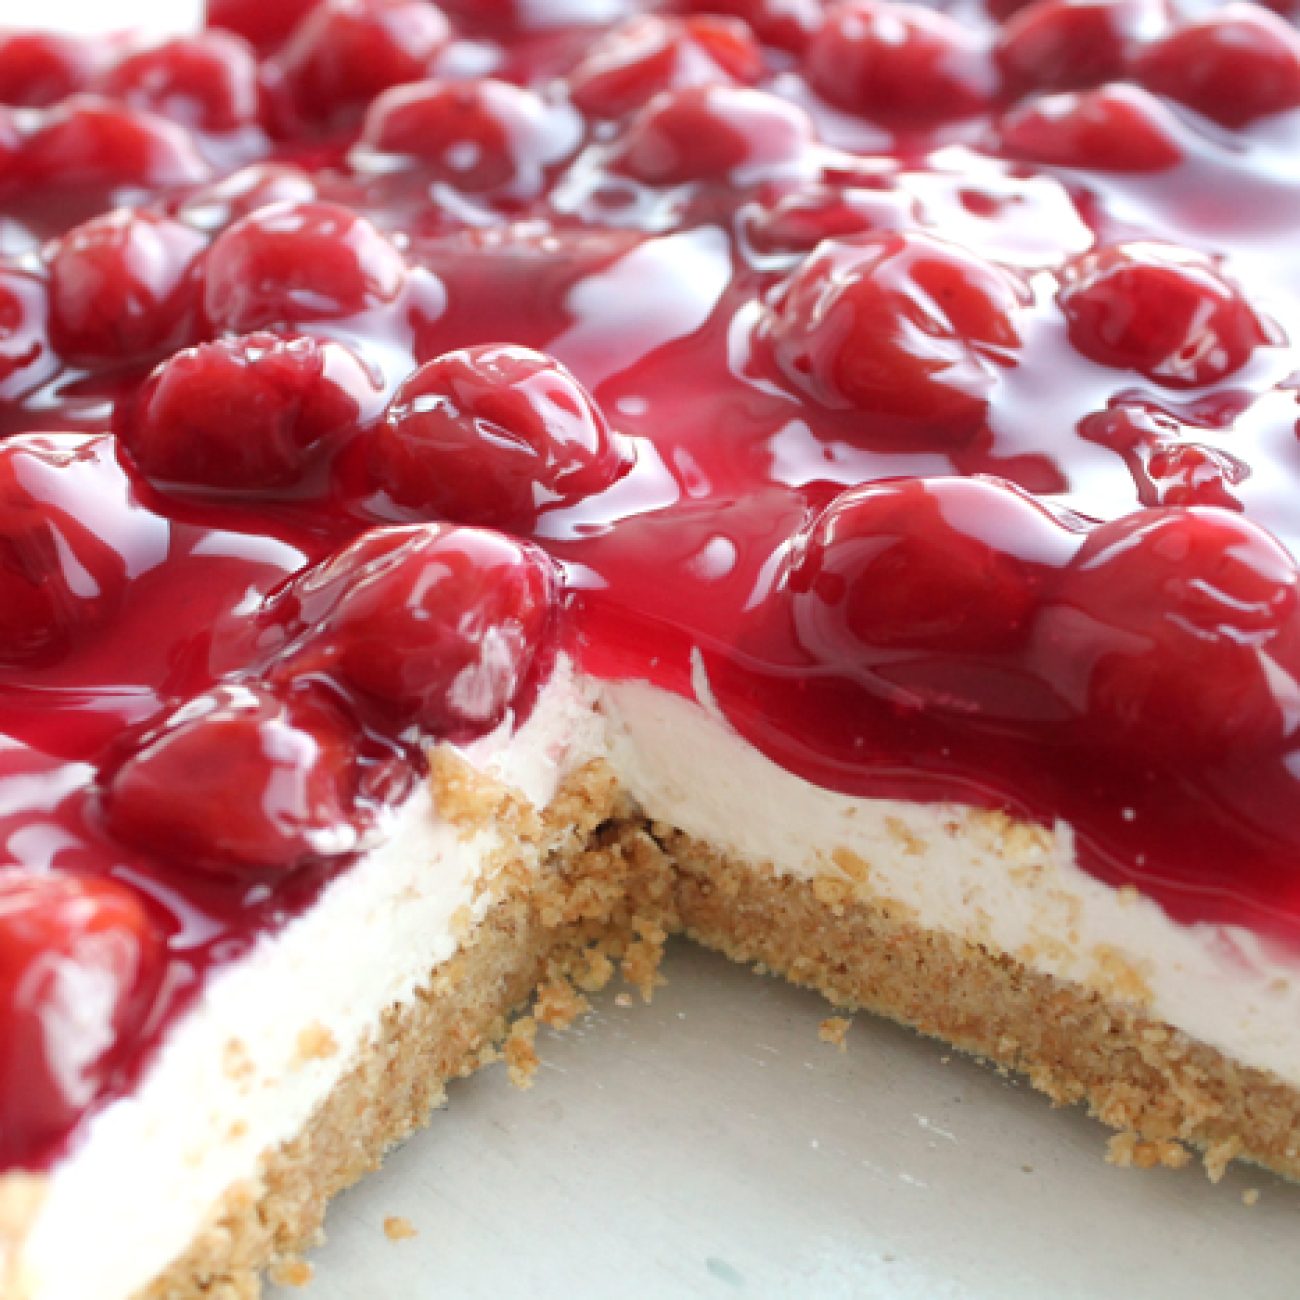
648 54
208 81
474 136
294 262
900 64
38 69
74 951
440 626
1113 129
1169 315
122 286
89 141
494 435
900 325
1075 44
1234 66
247 413
344 52
949 425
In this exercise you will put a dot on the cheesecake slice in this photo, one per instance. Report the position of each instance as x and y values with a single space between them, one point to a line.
484 489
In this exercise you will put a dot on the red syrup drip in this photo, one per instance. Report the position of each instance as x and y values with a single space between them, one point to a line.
776 466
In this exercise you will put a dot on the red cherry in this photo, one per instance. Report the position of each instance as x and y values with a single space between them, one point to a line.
899 324
441 625
1160 310
903 581
262 25
1235 65
88 141
900 64
38 69
24 311
208 81
216 206
122 285
67 535
473 135
632 63
1074 44
80 962
705 133
246 413
345 52
241 781
785 24
294 262
1176 633
1114 129
488 435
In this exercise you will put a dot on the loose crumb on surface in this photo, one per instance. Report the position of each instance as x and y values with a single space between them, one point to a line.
834 1030
398 1228
622 999
520 1052
1250 1196
293 1272
1129 1151
559 1004
315 1043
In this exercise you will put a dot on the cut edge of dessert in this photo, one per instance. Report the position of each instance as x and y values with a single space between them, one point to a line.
588 839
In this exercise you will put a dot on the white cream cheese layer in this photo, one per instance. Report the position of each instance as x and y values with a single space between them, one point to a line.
275 1031
193 1127
976 876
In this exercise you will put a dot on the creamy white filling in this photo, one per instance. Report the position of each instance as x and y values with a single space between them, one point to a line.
975 876
274 1032
236 1076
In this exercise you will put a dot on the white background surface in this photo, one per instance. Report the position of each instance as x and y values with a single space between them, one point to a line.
710 1145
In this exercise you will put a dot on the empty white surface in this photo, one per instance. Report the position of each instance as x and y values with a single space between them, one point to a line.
711 1145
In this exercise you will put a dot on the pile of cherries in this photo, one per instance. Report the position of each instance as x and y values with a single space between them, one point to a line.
358 356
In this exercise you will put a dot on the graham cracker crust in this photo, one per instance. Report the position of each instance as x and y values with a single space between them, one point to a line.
1161 1089
613 889
584 917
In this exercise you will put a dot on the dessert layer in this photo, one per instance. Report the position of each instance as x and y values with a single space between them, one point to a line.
1139 1075
272 1035
975 876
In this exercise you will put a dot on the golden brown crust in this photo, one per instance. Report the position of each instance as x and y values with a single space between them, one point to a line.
612 891
448 1030
1135 1073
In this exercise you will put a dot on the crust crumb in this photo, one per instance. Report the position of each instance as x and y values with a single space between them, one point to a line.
559 1004
1130 1151
1219 1155
1116 976
1250 1197
475 801
315 1043
293 1272
907 839
855 867
398 1228
641 961
521 1053
236 1064
834 1030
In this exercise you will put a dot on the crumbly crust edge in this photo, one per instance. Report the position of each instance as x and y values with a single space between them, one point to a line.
1162 1090
615 888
